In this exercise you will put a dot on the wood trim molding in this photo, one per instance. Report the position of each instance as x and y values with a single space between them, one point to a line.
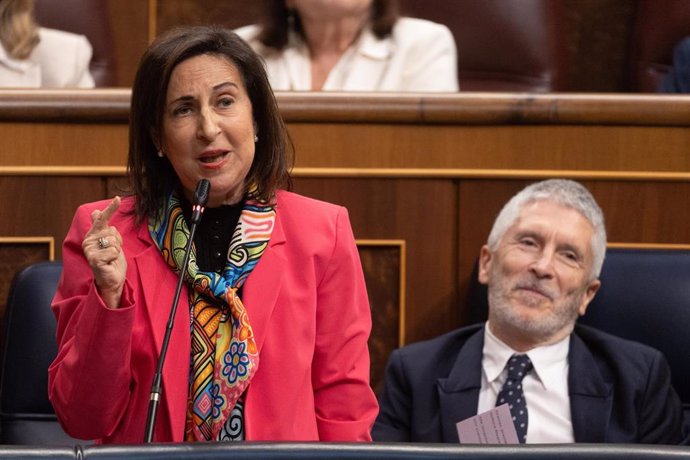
49 240
388 173
65 106
487 108
401 281
63 171
112 105
451 173
661 246
153 20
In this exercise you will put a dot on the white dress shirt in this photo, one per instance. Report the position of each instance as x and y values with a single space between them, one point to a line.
60 60
545 388
419 55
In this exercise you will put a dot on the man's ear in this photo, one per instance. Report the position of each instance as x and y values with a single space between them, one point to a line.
590 292
485 260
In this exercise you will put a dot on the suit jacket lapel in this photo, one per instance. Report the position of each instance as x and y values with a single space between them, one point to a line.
591 396
158 283
459 392
260 291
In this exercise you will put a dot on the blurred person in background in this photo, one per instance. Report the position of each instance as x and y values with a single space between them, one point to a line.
35 57
352 45
678 78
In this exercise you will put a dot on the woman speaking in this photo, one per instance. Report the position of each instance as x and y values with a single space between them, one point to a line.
269 340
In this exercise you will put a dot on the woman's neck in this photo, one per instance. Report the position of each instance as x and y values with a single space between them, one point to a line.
328 41
332 36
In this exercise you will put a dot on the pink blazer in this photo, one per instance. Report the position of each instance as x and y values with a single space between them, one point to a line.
306 301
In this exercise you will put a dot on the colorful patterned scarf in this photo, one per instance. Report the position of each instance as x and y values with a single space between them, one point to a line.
224 353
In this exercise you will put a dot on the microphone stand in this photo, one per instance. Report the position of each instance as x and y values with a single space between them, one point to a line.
200 198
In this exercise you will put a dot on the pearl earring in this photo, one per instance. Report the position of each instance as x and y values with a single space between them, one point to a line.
160 154
256 138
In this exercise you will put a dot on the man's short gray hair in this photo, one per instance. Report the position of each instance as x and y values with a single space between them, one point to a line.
563 192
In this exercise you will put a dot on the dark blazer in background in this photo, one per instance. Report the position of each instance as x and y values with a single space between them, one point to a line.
677 80
620 391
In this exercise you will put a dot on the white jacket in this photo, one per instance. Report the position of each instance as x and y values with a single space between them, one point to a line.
60 60
419 55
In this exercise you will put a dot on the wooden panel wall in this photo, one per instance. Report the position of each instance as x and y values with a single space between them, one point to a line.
132 28
430 172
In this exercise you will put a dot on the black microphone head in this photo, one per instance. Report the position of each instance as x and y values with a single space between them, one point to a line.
203 187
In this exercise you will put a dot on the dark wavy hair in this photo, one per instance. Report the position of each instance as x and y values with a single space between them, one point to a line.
153 178
275 25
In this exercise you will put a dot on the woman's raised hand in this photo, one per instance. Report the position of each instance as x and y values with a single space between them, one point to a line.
102 248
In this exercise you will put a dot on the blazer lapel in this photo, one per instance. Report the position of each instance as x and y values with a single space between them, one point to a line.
371 58
158 283
591 396
459 392
260 291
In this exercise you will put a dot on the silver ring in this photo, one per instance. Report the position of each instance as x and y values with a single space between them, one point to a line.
103 242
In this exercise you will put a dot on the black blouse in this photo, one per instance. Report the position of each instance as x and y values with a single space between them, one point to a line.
213 234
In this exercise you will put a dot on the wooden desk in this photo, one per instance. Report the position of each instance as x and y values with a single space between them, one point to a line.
422 176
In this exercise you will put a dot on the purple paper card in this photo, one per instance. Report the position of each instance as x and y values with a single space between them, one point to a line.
491 427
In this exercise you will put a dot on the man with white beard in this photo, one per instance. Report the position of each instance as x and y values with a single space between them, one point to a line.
563 382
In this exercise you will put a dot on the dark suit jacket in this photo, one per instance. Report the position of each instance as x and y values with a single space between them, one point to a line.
620 391
678 78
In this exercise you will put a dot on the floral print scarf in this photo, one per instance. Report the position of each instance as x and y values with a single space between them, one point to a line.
224 355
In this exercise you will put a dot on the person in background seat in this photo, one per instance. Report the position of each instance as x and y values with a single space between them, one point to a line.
38 57
677 80
352 45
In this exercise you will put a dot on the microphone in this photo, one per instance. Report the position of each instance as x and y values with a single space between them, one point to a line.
203 188
200 199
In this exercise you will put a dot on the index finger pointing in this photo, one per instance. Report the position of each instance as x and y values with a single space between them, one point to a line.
104 216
